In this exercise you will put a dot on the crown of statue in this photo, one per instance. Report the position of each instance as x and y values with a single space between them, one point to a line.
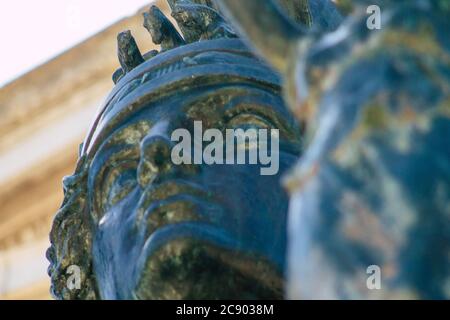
185 61
197 19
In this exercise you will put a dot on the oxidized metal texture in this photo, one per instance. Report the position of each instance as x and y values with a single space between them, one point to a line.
162 30
373 186
140 227
273 35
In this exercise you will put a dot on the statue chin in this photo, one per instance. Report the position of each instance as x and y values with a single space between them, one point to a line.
200 267
188 255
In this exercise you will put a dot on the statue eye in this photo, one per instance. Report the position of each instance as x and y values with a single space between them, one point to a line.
250 120
248 116
120 181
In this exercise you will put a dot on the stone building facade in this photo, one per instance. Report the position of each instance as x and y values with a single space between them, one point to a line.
44 115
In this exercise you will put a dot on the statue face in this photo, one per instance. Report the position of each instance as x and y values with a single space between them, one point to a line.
189 231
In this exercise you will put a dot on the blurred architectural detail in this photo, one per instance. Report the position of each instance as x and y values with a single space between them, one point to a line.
44 116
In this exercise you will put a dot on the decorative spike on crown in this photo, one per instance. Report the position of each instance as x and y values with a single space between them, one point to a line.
208 3
197 19
161 29
129 55
200 22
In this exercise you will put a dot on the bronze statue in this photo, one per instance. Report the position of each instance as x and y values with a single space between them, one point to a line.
369 212
162 30
140 227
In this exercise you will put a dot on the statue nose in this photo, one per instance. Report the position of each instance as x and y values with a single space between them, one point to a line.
155 159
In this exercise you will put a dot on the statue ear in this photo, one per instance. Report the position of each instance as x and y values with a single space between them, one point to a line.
71 268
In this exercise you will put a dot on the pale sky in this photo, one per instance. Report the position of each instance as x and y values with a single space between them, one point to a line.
34 31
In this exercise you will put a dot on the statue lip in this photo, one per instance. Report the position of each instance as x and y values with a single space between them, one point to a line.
175 201
187 249
195 230
177 209
164 194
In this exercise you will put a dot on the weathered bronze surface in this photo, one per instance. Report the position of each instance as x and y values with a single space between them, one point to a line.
140 227
162 30
373 185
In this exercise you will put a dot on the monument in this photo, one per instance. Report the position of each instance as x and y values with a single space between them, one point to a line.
362 115
136 226
369 213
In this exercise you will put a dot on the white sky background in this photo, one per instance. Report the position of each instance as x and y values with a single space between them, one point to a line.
34 31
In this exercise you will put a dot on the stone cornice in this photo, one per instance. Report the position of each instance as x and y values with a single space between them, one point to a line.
45 115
